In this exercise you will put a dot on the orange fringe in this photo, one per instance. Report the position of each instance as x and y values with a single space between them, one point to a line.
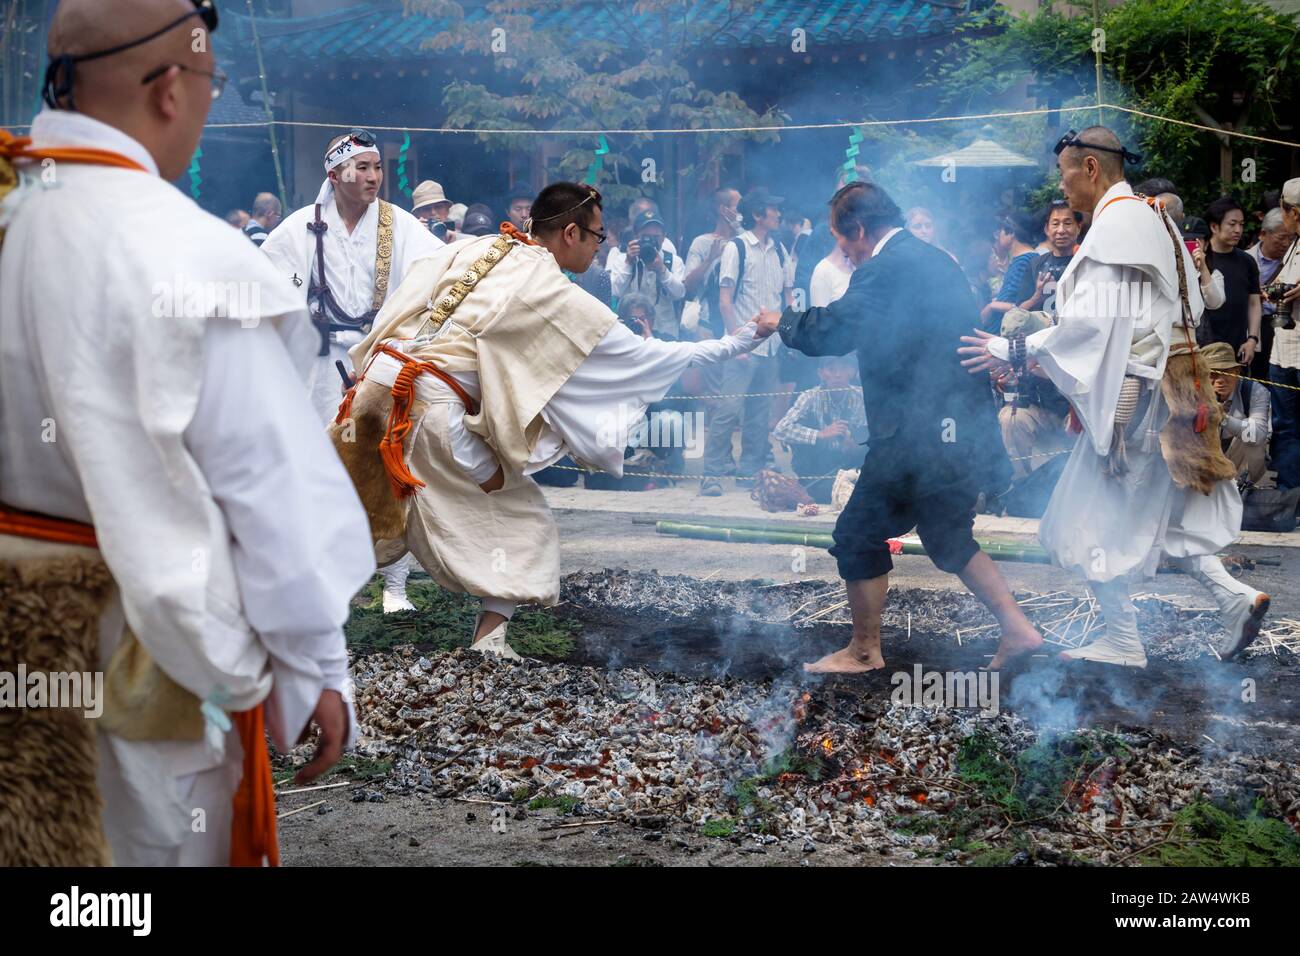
345 406
252 831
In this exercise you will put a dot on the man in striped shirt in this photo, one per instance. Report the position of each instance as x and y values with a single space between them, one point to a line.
826 427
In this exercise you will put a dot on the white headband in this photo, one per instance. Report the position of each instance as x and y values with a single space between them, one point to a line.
345 152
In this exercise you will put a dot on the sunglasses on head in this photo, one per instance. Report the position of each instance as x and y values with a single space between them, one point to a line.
1072 139
62 69
358 137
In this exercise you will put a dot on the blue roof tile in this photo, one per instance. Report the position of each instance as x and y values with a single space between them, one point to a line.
379 32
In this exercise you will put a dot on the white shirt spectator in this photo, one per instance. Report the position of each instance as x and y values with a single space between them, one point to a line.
696 256
830 279
764 283
1252 425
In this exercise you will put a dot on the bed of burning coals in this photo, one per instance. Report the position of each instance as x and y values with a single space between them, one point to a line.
848 762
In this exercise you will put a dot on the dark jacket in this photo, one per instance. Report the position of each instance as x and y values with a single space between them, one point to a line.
904 313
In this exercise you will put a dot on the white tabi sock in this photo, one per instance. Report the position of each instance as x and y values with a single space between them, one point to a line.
395 576
494 642
1120 644
1241 607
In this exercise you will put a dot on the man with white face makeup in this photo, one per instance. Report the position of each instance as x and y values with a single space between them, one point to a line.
346 251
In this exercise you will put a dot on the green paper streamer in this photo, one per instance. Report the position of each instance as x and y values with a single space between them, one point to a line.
195 179
403 183
850 154
593 171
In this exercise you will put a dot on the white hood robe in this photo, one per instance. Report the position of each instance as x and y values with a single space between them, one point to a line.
1118 314
349 272
167 359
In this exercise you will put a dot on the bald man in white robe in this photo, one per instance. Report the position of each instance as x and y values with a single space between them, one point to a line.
171 514
1140 483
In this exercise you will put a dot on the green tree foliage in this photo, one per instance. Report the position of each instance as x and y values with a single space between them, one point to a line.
556 80
1227 64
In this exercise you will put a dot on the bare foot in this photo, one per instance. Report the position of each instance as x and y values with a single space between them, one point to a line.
1015 643
846 661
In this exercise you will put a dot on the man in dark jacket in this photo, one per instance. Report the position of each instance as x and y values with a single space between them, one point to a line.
934 440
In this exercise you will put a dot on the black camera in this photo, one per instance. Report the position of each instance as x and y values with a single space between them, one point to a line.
649 248
1282 318
438 228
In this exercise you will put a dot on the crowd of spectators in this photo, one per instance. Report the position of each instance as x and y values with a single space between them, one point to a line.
756 253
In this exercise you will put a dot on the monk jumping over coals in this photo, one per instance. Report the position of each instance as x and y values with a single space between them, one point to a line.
934 439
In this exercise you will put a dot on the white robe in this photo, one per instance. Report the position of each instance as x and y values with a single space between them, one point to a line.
349 272
233 534
1118 315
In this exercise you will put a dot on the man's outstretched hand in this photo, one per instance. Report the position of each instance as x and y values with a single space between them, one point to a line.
331 716
766 321
978 358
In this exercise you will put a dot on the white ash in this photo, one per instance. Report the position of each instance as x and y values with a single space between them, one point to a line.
635 746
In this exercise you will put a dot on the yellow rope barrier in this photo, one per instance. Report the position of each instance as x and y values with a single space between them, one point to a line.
638 473
776 127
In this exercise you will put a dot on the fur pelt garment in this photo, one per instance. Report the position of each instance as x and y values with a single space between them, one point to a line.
1195 459
50 806
357 442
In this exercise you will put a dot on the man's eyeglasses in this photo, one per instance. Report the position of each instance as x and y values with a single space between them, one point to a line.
217 76
1072 139
600 236
60 73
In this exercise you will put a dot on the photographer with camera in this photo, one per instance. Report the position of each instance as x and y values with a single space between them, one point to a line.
1274 239
648 268
430 205
1284 360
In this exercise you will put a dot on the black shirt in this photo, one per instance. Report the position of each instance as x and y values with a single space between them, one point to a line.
1228 323
1053 266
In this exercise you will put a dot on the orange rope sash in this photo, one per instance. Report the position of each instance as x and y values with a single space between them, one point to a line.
27 524
391 446
252 831
20 147
391 450
508 229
